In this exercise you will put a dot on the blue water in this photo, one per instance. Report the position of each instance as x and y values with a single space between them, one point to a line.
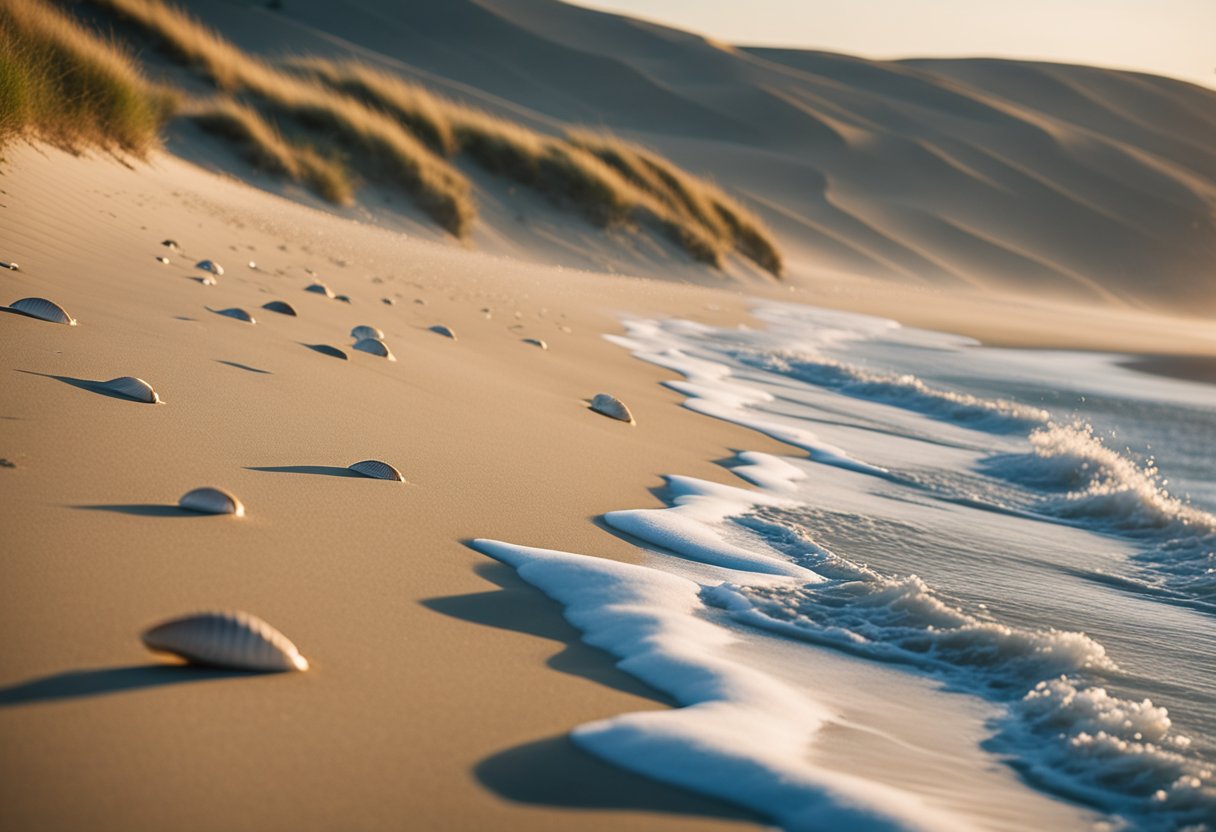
1037 529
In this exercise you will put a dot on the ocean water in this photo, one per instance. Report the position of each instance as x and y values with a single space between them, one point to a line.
1032 530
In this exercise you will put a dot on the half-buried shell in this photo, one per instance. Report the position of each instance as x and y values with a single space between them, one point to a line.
169 243
364 331
319 289
280 306
378 470
536 342
342 298
235 640
238 313
44 309
446 331
212 501
209 266
132 388
375 346
611 407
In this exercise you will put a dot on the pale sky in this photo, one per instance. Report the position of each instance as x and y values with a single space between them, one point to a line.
1167 37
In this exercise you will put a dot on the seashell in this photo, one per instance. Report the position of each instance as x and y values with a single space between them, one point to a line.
235 640
364 331
253 265
132 388
169 243
377 470
10 266
45 309
536 342
611 407
343 298
388 301
207 281
280 306
164 260
376 347
238 313
210 266
320 289
440 329
212 501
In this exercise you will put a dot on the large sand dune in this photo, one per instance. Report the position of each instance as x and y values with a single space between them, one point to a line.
1086 183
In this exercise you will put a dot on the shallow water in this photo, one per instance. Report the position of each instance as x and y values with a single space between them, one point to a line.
1034 530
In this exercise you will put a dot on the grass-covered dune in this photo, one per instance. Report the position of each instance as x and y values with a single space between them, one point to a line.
331 125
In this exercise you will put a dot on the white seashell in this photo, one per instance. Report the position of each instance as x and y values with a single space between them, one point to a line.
320 289
208 280
536 342
280 306
376 347
132 388
10 266
235 640
440 329
169 243
364 331
238 313
210 266
342 298
212 501
611 407
45 309
376 469
252 264
164 260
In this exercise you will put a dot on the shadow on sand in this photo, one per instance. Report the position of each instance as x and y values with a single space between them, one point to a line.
321 470
144 510
554 771
90 385
79 684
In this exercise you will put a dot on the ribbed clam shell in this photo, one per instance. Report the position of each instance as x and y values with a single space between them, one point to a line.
234 640
45 309
280 306
209 266
536 342
376 347
376 469
342 298
440 329
212 501
238 313
612 407
162 260
132 388
364 331
169 243
320 289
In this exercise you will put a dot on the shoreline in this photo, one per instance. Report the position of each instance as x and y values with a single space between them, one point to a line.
352 572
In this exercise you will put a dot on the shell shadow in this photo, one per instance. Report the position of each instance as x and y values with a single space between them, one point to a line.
143 509
91 385
79 684
241 366
321 470
326 349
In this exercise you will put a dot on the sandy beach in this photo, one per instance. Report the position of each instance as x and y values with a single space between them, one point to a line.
443 688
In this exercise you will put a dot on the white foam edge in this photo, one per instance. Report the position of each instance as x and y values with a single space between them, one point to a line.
739 735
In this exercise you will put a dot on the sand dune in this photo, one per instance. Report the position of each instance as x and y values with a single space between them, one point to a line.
1090 184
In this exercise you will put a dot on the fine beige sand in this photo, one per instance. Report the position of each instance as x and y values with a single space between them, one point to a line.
442 689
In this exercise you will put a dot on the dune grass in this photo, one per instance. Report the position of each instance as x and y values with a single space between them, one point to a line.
610 180
383 149
268 150
62 84
398 132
